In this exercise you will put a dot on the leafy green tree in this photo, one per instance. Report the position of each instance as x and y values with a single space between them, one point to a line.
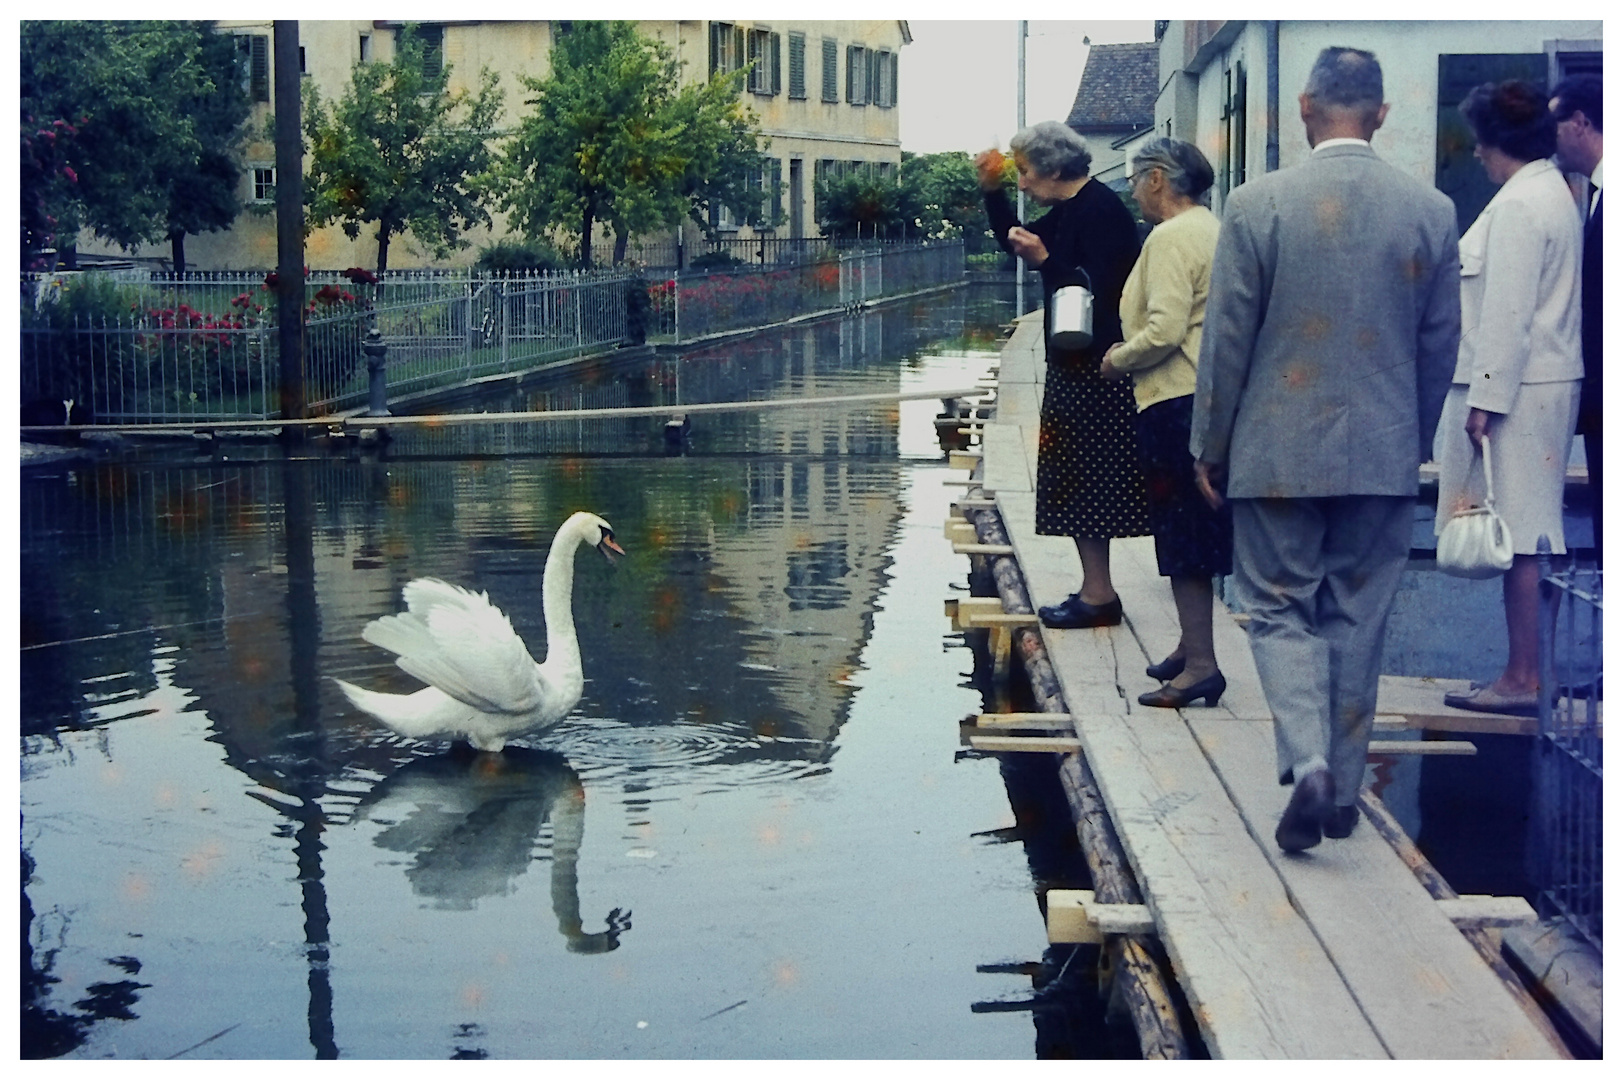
205 187
398 149
941 198
614 137
856 205
132 91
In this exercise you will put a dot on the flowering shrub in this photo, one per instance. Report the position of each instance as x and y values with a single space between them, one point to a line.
196 355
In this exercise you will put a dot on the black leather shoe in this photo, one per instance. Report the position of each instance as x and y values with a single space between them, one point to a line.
1073 613
1313 801
1170 697
1339 825
1166 670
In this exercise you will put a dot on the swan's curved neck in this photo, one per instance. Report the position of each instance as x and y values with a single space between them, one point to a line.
558 603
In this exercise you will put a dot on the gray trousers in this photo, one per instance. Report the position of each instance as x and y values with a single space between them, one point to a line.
1317 576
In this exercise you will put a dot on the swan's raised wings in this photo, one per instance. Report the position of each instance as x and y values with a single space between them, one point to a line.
460 642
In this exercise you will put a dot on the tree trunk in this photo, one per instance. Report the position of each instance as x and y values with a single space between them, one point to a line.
383 249
587 217
621 236
177 251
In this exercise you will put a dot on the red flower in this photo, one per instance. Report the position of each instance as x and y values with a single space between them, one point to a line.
67 171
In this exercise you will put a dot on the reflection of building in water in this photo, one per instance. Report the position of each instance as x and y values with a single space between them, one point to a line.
849 355
743 607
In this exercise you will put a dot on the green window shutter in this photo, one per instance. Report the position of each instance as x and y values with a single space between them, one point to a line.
259 68
895 78
775 51
777 188
715 51
851 74
831 70
797 66
738 48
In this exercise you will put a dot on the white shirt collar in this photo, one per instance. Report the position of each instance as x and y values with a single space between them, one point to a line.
1340 142
1594 177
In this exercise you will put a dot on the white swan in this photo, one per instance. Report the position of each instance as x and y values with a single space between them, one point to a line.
483 685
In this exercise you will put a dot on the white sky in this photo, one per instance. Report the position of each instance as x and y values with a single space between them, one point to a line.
958 84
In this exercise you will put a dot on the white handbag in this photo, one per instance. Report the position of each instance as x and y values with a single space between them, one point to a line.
1476 542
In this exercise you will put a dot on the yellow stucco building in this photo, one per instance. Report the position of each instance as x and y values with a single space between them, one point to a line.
824 91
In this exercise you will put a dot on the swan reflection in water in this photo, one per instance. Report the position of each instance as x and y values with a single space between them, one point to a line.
471 820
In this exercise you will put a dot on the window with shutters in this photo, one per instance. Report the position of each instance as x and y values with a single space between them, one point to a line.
366 48
797 66
726 47
856 74
765 71
432 40
253 60
831 70
884 78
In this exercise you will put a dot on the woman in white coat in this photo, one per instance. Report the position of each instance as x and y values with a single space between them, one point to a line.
1520 364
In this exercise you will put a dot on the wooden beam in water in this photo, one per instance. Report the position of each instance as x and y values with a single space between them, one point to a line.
1024 743
1457 747
1034 721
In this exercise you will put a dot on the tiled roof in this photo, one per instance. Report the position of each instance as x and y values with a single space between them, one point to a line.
1118 88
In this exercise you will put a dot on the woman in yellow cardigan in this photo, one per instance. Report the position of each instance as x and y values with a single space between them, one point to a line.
1163 307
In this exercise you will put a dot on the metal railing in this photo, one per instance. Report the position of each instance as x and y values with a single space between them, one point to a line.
204 347
702 303
1566 856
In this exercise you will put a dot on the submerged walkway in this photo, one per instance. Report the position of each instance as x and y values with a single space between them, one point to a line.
1340 952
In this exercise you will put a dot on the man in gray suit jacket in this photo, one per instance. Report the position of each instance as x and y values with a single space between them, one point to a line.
1331 333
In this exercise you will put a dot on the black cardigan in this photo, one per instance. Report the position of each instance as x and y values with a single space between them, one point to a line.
1091 230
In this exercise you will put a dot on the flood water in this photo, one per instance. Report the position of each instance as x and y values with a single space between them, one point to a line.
756 837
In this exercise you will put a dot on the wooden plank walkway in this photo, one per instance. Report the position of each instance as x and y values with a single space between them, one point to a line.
1336 953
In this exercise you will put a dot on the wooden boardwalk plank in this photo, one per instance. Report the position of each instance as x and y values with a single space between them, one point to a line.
1005 465
1257 978
1421 984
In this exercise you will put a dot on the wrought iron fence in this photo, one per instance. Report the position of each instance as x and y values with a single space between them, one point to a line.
1567 855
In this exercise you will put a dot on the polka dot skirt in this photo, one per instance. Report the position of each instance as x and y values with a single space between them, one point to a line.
1089 484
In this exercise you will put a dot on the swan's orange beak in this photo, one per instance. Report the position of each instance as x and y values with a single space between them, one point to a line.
610 549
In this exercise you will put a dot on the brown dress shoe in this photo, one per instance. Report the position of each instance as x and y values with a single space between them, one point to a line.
1313 800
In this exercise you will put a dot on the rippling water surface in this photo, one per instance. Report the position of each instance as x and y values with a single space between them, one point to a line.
756 836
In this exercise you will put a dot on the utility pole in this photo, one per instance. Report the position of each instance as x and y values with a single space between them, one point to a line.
1020 196
289 224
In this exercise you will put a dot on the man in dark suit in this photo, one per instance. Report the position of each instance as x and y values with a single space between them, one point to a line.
1576 106
1331 334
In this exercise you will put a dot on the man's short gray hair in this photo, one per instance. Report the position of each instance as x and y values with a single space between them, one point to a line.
1185 167
1053 150
1349 78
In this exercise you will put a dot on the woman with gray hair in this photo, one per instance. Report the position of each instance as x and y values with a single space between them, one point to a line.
1163 309
1088 482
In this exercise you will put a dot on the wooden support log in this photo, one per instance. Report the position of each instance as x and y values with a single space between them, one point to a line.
1483 939
965 504
959 531
1416 746
1137 977
963 459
